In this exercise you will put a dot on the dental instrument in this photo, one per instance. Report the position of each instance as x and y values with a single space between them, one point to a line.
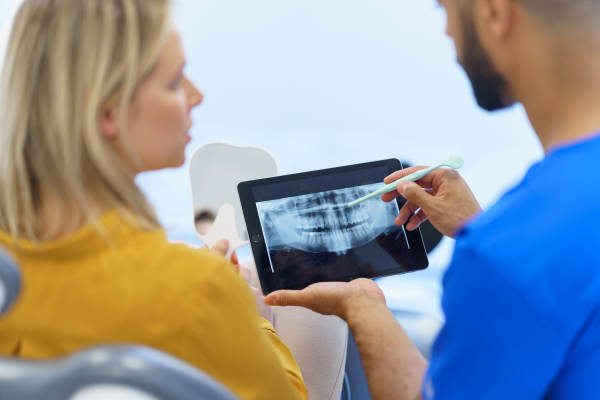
454 161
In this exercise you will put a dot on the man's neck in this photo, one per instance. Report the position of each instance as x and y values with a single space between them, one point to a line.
563 103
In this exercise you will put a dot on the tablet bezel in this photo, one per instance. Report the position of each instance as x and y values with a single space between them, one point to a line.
258 245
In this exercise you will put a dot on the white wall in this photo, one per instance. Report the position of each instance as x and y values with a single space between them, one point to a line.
323 83
327 83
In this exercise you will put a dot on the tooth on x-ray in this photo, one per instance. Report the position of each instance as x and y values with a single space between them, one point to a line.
323 222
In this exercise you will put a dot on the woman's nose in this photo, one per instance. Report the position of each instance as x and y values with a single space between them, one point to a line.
194 95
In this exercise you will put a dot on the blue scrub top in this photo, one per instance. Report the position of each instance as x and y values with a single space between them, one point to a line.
522 294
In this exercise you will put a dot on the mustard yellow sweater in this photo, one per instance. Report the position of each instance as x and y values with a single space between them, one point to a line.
137 288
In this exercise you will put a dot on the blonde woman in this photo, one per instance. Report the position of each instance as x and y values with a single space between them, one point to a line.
92 93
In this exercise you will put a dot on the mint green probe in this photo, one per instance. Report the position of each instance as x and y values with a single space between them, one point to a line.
454 161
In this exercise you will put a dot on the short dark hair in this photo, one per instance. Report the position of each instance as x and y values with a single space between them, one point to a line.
205 215
560 14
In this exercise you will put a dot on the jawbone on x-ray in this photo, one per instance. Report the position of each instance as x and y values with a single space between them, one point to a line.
323 222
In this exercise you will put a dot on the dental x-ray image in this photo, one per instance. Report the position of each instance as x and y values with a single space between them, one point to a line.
323 222
318 235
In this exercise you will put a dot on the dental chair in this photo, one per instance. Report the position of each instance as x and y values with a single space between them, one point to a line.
99 373
10 282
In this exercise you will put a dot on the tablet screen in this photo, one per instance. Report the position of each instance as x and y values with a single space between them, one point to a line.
309 234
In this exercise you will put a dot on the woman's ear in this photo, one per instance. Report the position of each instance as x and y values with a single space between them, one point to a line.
109 124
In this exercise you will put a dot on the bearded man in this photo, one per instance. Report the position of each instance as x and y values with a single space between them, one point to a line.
522 294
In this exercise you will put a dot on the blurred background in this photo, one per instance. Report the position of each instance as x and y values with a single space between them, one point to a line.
325 83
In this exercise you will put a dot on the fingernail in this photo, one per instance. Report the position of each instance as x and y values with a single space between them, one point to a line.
272 301
224 242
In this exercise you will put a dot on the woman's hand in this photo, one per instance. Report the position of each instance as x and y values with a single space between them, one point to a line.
263 309
221 247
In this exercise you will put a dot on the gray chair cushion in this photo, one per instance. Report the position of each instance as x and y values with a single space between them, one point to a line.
140 368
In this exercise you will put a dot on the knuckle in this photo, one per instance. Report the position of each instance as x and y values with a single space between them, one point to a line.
410 190
283 301
422 217
451 173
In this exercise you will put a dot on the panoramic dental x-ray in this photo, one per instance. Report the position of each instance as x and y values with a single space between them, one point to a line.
323 222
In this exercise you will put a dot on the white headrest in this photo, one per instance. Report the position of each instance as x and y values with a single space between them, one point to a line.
112 392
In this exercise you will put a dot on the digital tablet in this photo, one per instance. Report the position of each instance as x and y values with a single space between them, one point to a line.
302 231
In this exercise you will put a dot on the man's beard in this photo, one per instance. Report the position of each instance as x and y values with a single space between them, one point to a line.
489 87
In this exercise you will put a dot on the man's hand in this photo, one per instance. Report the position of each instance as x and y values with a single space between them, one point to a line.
393 365
329 298
447 201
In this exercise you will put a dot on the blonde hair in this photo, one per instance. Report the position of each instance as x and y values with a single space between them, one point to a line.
67 63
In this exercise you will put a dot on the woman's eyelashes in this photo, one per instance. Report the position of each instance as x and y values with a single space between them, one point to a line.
177 82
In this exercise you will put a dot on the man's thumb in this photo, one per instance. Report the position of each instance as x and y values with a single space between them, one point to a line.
281 298
413 193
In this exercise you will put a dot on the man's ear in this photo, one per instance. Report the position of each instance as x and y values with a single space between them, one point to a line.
497 17
109 124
